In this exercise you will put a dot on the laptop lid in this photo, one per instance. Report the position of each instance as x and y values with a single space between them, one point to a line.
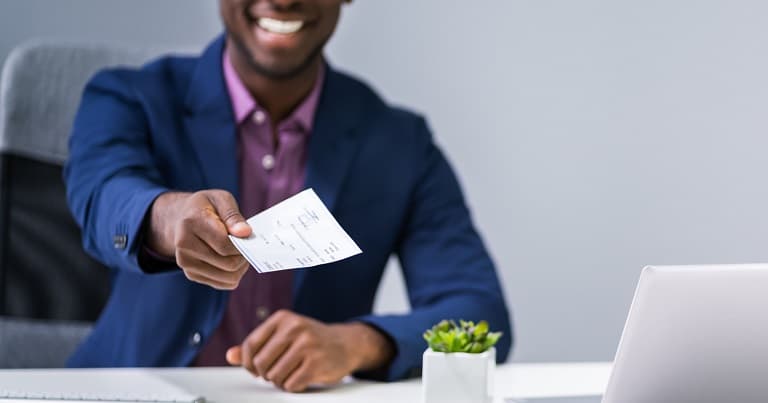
695 334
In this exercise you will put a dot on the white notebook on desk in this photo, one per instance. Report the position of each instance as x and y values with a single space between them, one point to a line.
104 386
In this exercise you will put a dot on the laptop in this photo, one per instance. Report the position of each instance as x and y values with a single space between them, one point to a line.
693 334
103 385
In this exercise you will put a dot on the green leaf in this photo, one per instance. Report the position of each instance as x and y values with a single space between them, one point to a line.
481 329
454 342
447 337
477 348
491 340
463 338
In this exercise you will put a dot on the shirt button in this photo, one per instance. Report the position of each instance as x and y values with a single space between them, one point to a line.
262 313
259 117
195 339
268 162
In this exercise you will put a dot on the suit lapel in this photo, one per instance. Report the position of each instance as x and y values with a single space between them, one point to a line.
333 145
210 122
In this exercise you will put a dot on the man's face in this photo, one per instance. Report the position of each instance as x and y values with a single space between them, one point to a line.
279 38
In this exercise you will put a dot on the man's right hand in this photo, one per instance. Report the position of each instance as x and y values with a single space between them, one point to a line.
193 228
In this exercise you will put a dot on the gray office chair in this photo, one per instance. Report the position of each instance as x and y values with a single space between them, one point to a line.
28 343
49 288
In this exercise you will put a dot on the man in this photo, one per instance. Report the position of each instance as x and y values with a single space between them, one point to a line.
166 161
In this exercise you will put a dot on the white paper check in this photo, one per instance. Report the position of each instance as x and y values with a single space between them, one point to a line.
297 232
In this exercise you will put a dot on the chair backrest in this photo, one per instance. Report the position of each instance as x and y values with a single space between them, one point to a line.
44 272
38 344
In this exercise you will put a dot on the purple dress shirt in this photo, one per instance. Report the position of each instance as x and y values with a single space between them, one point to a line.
270 172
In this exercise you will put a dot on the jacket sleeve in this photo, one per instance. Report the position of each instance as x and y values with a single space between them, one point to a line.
111 177
447 270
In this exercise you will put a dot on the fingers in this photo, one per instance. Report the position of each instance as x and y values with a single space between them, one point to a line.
202 251
284 366
210 230
255 341
201 272
229 213
292 351
233 356
299 380
264 346
272 350
202 246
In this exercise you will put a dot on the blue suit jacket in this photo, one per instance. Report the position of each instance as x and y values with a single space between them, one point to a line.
170 125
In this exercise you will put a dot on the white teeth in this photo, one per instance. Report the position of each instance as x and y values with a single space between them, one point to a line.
280 26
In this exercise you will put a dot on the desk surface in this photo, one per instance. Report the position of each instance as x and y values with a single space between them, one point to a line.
224 385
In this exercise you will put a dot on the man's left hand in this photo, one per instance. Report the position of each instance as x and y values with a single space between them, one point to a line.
294 351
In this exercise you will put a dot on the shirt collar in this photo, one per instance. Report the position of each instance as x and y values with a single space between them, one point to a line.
244 105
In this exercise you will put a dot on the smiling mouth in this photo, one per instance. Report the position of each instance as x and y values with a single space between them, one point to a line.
281 27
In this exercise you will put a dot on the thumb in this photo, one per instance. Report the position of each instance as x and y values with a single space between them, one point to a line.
233 356
229 213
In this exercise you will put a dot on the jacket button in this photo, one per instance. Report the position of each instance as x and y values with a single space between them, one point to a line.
120 241
195 339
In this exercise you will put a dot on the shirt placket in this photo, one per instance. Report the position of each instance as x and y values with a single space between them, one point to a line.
288 165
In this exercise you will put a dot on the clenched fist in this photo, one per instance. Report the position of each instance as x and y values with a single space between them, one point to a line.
294 351
193 229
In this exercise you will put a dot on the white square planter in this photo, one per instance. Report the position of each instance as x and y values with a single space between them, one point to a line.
458 377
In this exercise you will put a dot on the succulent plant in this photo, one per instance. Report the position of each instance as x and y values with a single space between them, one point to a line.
466 337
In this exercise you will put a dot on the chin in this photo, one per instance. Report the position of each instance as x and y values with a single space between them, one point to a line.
278 68
283 66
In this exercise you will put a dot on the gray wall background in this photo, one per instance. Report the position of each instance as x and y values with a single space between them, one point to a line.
592 137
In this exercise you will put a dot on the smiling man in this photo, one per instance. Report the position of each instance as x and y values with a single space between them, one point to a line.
167 160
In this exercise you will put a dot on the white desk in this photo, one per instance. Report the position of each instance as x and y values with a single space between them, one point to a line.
225 385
